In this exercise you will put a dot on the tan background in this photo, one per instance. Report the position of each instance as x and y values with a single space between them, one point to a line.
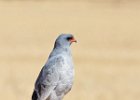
107 55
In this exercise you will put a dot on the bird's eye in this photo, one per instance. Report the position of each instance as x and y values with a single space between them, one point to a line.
69 38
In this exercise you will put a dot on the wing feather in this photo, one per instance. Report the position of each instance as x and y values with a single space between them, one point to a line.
48 78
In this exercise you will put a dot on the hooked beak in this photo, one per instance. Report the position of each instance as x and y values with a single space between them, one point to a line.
73 40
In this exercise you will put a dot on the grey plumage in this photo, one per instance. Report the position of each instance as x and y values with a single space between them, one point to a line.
56 77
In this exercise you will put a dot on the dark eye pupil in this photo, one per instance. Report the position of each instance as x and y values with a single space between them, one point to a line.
69 38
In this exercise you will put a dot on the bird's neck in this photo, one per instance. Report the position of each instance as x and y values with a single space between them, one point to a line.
61 50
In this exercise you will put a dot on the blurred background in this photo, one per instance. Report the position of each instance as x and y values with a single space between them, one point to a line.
106 57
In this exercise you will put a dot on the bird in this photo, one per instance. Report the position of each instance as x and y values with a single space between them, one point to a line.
56 77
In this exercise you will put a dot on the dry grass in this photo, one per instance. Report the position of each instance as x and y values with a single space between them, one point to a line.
107 55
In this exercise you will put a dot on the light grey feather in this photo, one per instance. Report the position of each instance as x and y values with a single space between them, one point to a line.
56 77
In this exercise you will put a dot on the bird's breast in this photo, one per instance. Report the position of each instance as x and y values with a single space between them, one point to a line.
65 80
66 71
66 75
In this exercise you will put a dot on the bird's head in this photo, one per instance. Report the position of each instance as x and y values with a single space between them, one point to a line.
64 40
